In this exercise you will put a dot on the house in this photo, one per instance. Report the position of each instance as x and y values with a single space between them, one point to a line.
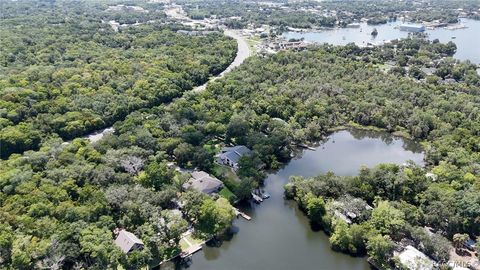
414 259
288 45
231 155
412 28
203 182
127 241
470 244
353 25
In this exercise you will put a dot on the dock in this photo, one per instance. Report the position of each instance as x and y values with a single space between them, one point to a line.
190 251
257 198
240 213
306 146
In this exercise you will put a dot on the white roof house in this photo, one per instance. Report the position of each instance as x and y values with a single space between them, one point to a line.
414 259
127 241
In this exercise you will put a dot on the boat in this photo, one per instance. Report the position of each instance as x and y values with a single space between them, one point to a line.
265 195
454 37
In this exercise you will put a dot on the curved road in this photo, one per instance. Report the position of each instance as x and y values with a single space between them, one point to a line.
243 52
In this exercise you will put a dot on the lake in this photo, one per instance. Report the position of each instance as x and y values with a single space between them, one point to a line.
466 39
279 235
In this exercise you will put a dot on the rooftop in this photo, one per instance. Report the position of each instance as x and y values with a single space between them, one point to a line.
235 153
126 240
203 182
414 259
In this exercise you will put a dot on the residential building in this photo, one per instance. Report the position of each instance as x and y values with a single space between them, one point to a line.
412 28
414 259
231 155
203 182
127 241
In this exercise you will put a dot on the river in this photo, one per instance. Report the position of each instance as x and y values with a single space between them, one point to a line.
466 39
279 235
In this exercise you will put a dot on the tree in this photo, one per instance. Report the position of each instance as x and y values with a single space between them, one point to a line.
26 249
459 240
359 234
249 168
244 189
379 249
387 219
6 242
184 154
202 159
156 175
341 239
237 128
215 217
192 201
315 208
97 244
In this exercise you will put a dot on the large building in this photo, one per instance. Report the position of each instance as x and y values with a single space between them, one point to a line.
412 28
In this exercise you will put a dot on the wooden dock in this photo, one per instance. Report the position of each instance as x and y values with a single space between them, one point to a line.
306 146
190 251
241 214
257 198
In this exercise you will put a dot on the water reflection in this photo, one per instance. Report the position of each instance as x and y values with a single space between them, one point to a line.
279 236
466 39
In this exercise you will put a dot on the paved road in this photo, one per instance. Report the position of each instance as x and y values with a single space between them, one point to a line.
243 53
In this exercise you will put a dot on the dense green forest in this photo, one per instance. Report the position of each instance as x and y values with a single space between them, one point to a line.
311 14
71 74
64 73
271 104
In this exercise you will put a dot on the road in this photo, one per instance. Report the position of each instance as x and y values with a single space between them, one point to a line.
243 53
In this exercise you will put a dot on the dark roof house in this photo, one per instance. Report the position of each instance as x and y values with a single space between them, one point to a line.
470 244
127 241
203 182
231 155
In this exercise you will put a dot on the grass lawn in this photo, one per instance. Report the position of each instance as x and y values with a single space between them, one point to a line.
227 194
189 241
225 172
212 146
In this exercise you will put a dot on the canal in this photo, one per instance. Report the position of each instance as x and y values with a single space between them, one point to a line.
279 235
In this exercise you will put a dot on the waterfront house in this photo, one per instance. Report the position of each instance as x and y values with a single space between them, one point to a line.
127 241
203 182
230 156
413 259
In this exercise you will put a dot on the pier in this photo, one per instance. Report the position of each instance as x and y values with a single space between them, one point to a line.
306 146
257 198
241 214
